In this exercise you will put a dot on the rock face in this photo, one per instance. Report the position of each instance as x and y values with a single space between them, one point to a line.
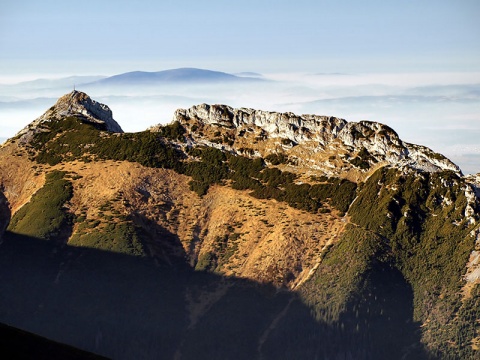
76 104
474 181
381 142
278 125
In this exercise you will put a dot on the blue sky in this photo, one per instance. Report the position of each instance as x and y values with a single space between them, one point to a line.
322 36
411 64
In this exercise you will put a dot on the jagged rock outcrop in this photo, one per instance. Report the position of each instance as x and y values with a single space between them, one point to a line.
474 181
278 125
76 104
381 142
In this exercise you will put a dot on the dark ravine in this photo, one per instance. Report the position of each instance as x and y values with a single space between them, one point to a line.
240 234
4 214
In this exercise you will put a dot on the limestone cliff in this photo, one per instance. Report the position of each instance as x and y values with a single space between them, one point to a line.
314 133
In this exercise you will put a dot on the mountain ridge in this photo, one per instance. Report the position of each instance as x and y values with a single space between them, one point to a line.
272 209
380 141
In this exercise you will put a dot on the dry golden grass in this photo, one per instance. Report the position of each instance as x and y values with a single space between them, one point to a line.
274 243
19 177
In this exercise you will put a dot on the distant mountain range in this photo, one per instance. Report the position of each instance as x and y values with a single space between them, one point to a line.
174 75
249 74
140 78
39 84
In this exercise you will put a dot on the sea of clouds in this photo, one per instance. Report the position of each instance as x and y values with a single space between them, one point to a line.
438 110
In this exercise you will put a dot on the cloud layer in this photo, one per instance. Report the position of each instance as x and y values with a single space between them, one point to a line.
439 110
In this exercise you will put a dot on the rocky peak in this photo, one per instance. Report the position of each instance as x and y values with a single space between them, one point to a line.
79 104
384 144
315 133
76 104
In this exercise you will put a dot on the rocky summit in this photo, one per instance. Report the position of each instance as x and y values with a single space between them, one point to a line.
237 234
76 104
